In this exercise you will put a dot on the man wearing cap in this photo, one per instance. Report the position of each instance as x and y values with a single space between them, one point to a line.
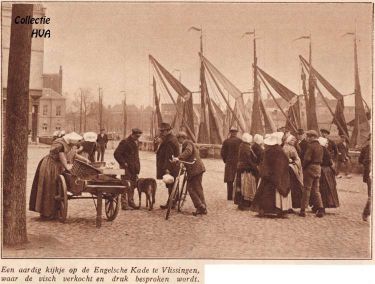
229 154
101 141
332 147
311 174
167 149
127 155
194 173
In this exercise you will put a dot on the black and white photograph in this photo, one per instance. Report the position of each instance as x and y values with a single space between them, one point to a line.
186 131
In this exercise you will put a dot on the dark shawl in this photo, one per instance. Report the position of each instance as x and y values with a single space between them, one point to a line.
275 169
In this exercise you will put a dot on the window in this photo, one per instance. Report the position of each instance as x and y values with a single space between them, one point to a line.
45 110
58 110
44 127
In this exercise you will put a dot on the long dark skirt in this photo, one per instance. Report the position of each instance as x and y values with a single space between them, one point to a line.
265 198
296 189
328 189
44 187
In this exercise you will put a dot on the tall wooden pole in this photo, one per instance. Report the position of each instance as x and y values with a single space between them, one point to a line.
16 129
100 109
80 112
125 117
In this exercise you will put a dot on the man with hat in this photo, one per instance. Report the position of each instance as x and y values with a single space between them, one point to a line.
167 149
311 174
127 155
101 141
332 147
194 172
229 154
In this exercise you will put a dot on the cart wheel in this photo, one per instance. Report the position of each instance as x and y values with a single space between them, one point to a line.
62 199
111 207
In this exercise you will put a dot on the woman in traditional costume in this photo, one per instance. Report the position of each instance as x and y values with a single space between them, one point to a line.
247 174
295 171
88 146
328 189
257 148
44 187
272 194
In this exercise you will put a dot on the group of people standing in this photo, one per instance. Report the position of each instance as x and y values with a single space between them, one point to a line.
90 144
272 175
275 174
168 155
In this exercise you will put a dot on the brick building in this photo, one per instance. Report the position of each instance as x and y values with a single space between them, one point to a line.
51 113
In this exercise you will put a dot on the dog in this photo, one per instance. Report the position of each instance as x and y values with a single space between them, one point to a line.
148 186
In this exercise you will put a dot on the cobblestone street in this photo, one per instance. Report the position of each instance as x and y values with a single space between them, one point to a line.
224 233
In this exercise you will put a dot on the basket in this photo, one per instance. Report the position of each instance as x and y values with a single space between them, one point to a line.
98 164
83 170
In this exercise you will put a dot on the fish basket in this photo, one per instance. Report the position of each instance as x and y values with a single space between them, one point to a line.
98 164
84 171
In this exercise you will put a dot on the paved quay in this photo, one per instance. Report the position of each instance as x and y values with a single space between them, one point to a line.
224 233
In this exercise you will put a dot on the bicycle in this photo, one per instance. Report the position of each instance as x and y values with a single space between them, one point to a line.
179 190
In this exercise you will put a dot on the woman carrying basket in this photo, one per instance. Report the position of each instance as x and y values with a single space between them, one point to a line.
44 187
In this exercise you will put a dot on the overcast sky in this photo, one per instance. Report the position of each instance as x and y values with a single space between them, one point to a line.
108 44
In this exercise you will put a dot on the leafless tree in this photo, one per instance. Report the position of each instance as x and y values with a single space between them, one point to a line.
81 102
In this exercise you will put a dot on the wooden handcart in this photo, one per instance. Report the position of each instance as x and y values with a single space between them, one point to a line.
87 182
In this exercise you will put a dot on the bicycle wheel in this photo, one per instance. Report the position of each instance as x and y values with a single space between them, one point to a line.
172 197
183 194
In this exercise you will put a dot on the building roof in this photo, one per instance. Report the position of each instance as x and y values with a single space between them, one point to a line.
49 94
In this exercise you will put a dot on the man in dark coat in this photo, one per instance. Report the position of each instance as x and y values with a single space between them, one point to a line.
194 173
311 174
101 141
229 154
167 149
365 159
343 156
127 155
